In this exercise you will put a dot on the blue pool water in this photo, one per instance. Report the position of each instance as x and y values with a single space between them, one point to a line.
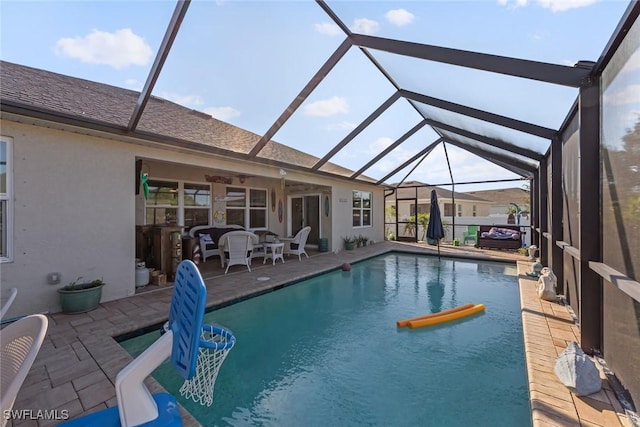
327 351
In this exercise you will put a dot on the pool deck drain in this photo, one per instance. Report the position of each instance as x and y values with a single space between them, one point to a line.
79 360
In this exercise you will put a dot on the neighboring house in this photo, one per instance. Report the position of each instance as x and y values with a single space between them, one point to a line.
72 202
451 203
502 199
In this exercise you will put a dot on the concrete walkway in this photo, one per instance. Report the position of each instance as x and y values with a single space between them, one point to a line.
77 365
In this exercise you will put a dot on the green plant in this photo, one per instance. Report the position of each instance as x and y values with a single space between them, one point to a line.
79 284
349 242
348 239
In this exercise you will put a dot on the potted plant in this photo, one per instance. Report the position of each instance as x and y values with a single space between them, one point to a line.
349 242
365 240
81 296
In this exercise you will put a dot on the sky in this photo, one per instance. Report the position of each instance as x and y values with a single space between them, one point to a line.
244 62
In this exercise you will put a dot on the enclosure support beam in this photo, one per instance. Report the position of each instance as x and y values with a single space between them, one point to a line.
544 211
556 212
169 36
589 219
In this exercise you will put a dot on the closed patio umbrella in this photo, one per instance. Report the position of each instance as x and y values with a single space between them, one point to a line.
435 231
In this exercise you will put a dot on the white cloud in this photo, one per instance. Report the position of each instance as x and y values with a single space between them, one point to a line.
344 125
133 84
222 113
186 100
365 26
564 5
118 50
399 17
327 107
512 4
327 28
628 95
554 5
633 63
380 144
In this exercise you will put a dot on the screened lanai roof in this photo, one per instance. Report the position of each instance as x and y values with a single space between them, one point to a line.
371 86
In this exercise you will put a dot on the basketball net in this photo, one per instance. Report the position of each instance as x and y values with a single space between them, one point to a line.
215 344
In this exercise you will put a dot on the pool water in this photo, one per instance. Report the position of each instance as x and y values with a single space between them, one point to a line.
327 351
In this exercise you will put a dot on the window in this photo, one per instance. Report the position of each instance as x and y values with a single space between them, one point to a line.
361 209
474 211
448 209
6 197
162 204
422 208
459 210
178 203
197 201
249 212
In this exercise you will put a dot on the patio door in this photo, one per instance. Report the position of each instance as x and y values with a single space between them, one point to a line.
305 210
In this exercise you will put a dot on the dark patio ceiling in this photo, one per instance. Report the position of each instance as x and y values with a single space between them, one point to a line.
508 142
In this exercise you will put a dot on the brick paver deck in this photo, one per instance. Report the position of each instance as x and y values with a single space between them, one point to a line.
79 360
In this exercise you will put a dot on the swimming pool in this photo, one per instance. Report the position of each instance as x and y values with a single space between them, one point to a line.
327 351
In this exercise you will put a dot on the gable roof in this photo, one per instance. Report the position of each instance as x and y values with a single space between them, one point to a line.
43 94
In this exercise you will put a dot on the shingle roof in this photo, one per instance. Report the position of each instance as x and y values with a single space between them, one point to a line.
95 102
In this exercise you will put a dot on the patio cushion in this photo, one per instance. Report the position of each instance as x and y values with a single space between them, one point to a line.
214 233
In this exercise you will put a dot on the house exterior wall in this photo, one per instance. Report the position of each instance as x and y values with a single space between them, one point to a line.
75 208
73 214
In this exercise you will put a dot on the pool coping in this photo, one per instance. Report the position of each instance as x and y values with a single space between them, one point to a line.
80 358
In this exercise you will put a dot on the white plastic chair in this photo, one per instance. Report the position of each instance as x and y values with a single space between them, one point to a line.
20 342
6 301
300 240
238 246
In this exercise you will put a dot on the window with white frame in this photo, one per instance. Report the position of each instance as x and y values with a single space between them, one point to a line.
197 204
162 203
6 197
474 211
247 207
459 210
361 208
178 203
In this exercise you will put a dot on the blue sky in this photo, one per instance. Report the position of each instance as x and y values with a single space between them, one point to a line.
245 61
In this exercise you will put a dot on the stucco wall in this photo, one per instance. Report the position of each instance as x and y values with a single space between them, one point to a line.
73 209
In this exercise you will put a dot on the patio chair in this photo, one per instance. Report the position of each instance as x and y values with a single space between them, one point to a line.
6 300
295 245
20 342
209 236
470 234
237 247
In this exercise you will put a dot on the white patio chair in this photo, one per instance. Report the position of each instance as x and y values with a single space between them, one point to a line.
238 246
295 245
208 247
20 342
6 300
